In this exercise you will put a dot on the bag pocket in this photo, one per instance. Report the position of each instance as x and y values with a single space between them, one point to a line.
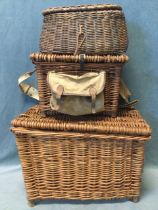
77 95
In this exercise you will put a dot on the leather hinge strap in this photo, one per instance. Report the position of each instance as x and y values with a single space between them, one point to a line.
93 93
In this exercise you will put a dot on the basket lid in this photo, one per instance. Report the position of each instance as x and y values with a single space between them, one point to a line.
46 57
81 8
128 123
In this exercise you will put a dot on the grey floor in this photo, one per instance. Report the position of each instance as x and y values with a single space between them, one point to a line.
13 197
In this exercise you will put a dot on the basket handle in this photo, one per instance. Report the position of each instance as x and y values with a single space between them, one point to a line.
28 89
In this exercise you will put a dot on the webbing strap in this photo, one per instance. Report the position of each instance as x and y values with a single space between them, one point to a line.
33 92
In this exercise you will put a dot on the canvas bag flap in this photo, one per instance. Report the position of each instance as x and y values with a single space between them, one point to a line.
75 84
77 95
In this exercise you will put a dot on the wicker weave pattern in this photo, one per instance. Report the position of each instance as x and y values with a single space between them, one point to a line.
122 124
79 168
112 87
80 8
73 165
46 57
90 30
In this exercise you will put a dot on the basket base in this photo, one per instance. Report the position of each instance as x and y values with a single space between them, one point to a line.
134 199
31 203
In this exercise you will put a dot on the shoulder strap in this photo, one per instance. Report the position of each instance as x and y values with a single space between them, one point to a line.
28 89
33 92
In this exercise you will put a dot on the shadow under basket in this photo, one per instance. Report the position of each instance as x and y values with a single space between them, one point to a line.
92 159
80 64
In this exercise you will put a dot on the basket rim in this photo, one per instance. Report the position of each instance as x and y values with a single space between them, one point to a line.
127 123
81 8
46 57
118 137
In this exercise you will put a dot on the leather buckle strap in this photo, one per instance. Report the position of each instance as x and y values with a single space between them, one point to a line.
93 93
60 90
58 94
82 58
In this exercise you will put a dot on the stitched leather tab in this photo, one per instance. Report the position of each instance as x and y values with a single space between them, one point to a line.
60 90
93 93
78 94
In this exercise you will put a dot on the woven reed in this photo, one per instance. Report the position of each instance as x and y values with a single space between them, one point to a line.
77 165
82 8
70 64
89 29
46 57
127 122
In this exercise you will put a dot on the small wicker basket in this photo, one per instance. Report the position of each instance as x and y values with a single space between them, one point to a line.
90 159
72 64
89 29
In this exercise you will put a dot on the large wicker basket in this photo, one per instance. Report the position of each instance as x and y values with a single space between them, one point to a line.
63 158
89 29
71 64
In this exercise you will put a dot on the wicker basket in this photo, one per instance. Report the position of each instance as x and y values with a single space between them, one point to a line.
101 158
89 29
71 64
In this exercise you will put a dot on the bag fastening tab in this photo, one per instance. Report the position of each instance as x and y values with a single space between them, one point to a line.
60 90
80 94
93 93
82 58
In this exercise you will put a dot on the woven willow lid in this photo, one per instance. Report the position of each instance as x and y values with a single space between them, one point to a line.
127 122
46 57
81 8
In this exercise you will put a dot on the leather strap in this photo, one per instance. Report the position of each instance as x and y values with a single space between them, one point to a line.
82 58
125 94
58 95
124 91
33 92
60 90
80 34
93 93
129 104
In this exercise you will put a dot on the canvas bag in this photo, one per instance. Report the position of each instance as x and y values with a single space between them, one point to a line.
77 95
